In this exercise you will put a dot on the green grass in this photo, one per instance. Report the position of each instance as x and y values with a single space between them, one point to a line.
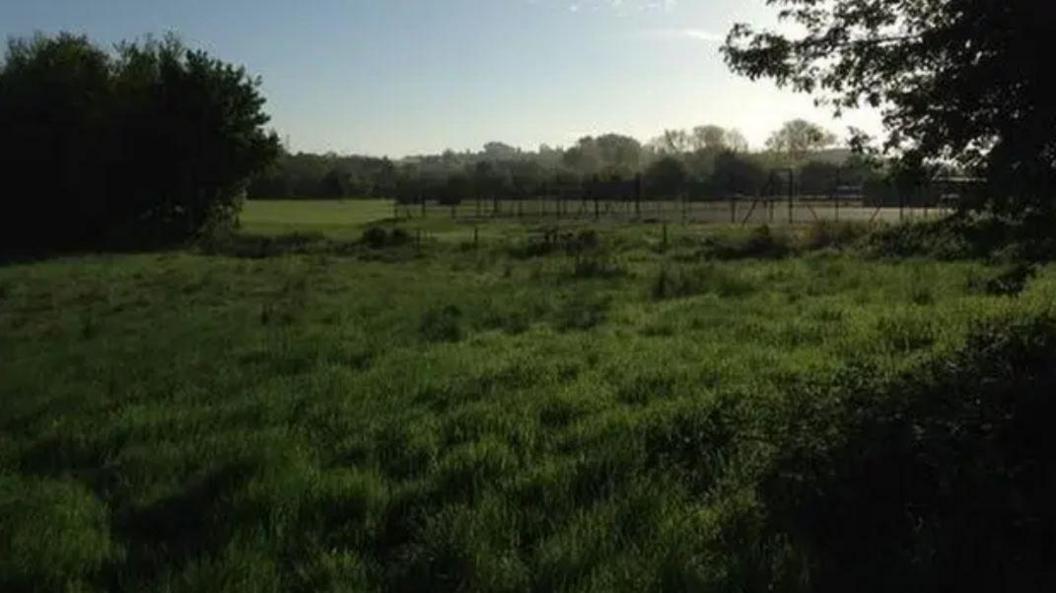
448 418
330 217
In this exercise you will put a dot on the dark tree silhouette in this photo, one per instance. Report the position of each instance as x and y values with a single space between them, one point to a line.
151 144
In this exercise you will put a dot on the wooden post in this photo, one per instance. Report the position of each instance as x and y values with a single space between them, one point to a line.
733 210
476 237
791 196
663 242
836 195
638 195
594 193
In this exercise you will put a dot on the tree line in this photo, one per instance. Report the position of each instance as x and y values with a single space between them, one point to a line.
706 161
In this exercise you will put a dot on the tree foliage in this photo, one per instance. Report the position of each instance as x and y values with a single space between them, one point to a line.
798 138
150 143
962 80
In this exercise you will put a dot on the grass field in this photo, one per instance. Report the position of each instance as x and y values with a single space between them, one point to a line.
333 217
614 411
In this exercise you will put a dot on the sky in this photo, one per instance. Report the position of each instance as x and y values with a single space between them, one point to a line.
400 77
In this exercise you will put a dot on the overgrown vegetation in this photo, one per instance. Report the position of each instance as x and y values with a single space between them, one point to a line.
384 417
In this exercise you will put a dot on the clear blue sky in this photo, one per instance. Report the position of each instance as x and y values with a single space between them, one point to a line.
396 77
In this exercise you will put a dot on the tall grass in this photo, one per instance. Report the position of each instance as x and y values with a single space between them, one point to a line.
484 420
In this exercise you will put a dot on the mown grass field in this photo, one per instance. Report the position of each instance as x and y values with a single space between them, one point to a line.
606 412
333 217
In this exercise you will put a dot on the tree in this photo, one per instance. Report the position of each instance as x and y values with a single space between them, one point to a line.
620 155
705 137
955 80
500 151
799 137
665 177
736 174
735 141
673 142
584 157
152 143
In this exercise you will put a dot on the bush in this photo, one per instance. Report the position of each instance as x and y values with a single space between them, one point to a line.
375 237
824 234
963 237
938 478
378 238
442 325
150 146
1006 281
760 243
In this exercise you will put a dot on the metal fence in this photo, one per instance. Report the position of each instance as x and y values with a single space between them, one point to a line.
732 210
787 198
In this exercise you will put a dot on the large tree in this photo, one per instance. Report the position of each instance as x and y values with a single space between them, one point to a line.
963 80
153 142
799 137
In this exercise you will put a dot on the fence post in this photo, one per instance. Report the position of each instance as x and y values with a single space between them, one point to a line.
421 200
663 242
476 237
733 210
791 195
836 195
638 195
592 191
901 206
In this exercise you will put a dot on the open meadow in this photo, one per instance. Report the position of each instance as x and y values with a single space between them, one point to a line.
370 405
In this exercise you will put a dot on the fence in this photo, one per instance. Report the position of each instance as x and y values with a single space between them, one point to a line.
778 203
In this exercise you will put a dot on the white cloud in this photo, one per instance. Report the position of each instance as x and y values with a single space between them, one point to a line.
622 6
686 34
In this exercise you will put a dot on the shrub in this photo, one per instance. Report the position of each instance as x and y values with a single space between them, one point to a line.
1006 281
825 234
937 478
442 324
151 146
760 243
375 237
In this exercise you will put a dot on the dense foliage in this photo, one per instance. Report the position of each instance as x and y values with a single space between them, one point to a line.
956 80
146 145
